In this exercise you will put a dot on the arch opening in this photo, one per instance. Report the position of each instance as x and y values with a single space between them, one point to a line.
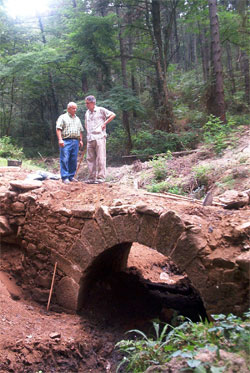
131 284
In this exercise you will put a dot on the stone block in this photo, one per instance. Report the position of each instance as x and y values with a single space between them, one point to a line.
76 223
80 254
148 210
84 211
18 207
148 227
23 185
243 262
187 249
67 293
127 227
67 267
169 230
223 263
92 233
105 222
197 274
5 228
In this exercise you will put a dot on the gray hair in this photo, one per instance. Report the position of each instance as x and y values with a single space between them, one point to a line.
90 99
71 104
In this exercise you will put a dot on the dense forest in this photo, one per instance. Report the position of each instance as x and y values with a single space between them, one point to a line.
165 67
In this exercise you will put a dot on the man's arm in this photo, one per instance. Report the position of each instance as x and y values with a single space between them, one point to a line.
59 136
81 140
108 120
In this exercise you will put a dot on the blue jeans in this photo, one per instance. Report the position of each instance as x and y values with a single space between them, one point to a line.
68 158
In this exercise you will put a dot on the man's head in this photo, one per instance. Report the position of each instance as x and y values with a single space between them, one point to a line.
90 102
71 108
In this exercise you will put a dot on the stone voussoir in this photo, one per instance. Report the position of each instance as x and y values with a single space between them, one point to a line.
67 293
127 227
168 231
93 234
80 253
148 227
105 223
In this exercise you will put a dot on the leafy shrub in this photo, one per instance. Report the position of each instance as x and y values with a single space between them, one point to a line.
202 174
157 142
116 143
159 166
217 133
230 333
8 148
165 187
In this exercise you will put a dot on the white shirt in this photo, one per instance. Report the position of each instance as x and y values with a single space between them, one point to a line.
94 121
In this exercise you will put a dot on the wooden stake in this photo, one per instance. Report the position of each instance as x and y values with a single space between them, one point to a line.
80 161
52 285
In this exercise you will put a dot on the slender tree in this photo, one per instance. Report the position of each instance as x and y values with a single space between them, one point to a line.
216 102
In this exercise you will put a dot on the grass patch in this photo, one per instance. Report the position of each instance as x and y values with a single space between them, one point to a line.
165 186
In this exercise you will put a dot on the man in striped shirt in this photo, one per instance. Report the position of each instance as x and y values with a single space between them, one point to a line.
69 131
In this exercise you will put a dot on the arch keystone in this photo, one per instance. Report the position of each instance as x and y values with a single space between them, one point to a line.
127 227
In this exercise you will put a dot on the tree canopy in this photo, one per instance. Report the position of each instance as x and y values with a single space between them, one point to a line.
155 63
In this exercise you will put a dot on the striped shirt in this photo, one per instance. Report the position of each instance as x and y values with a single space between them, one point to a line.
71 127
94 121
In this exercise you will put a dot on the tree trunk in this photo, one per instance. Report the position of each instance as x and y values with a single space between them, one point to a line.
85 86
125 114
165 118
54 107
216 102
245 70
11 106
230 67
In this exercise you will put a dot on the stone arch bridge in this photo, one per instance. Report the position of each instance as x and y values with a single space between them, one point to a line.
53 223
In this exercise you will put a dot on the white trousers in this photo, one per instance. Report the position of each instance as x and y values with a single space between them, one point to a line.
96 159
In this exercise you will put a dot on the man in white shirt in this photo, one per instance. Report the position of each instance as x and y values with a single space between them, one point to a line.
96 120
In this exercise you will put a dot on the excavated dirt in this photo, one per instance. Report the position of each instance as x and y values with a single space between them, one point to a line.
33 339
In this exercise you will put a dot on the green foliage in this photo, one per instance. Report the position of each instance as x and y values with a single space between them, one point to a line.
217 133
164 186
159 165
230 333
116 142
157 142
202 174
144 351
121 98
8 148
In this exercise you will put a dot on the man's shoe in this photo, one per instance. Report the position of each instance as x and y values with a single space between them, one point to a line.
73 180
100 181
65 181
90 182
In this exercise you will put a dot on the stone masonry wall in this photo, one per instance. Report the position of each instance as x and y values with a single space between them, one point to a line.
76 237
